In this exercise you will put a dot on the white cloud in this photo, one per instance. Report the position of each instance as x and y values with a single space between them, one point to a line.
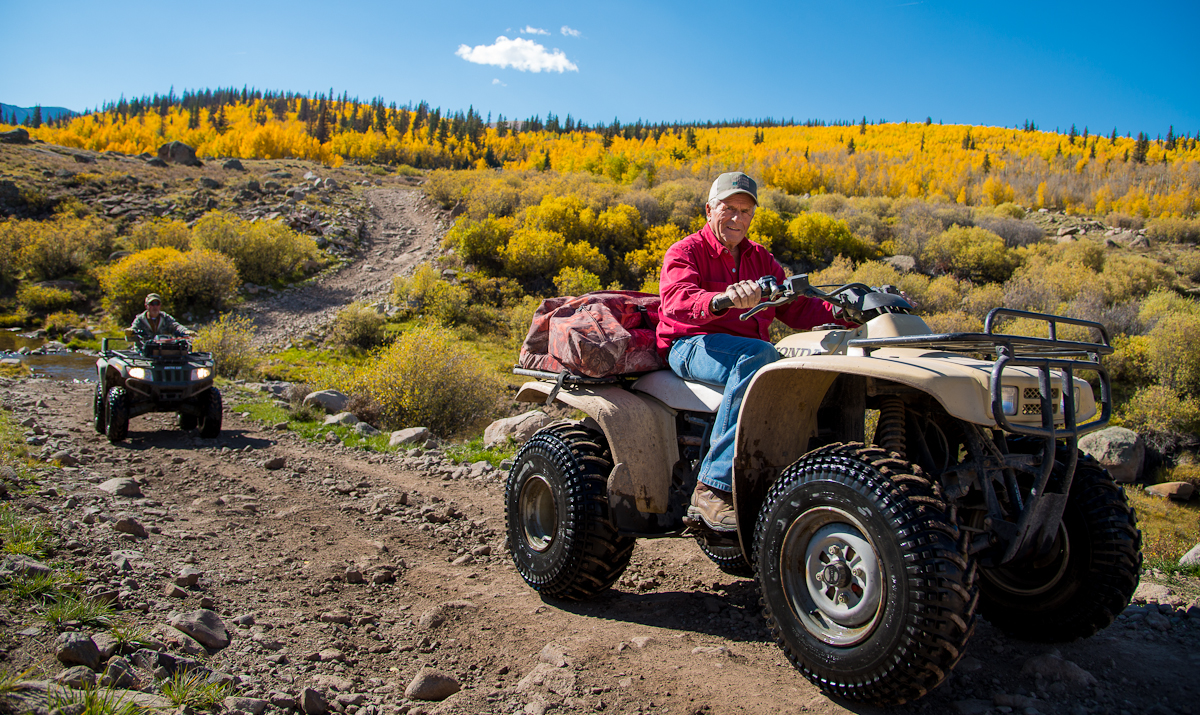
497 81
520 54
531 30
570 32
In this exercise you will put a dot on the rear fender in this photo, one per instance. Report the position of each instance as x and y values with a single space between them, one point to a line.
641 436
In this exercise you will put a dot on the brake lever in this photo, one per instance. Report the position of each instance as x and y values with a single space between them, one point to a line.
785 297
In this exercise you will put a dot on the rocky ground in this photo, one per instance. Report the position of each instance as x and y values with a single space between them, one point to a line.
337 577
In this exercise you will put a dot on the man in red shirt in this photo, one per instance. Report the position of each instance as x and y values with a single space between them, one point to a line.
716 348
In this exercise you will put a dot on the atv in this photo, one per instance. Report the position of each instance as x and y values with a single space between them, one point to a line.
890 483
163 376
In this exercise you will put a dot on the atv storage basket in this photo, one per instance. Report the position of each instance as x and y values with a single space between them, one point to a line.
173 350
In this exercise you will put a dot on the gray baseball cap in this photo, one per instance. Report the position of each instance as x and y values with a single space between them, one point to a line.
733 182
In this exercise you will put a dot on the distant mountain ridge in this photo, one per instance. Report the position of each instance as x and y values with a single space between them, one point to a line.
8 111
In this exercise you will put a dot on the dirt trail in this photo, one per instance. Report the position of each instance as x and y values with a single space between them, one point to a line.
289 546
404 230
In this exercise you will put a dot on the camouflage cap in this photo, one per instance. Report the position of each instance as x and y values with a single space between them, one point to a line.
153 297
733 182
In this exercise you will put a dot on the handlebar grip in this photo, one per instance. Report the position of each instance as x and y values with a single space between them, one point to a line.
722 303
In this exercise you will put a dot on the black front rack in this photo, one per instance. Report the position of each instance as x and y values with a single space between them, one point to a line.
1043 354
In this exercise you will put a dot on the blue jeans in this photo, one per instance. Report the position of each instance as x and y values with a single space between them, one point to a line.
728 363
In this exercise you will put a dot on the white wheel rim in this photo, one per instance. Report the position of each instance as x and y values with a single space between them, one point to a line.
831 576
539 514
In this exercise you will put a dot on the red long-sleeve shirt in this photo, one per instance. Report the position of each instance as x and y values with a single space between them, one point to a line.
698 268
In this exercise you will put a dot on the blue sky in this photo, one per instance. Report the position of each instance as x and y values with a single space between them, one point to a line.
1100 65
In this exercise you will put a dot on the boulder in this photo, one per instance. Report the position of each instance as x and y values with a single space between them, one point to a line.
313 702
209 183
178 153
341 418
22 565
1121 451
431 684
1179 491
77 676
1054 668
204 626
365 429
79 334
156 162
122 487
412 435
520 428
77 649
234 165
331 400
15 136
1192 557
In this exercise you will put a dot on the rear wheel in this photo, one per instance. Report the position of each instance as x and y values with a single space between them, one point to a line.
863 583
117 417
210 419
563 541
729 559
98 420
1087 579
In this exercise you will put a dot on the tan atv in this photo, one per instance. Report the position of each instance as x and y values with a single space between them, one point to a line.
873 548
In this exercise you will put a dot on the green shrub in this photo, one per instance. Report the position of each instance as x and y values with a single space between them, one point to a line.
646 262
44 299
264 251
767 228
231 341
817 239
1174 230
479 242
60 247
1125 221
955 321
1010 210
575 281
970 253
1161 415
358 325
167 233
62 321
536 253
520 317
1173 352
198 281
425 378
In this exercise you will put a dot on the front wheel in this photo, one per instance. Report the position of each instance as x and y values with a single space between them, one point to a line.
563 540
1086 580
863 583
98 410
117 417
210 418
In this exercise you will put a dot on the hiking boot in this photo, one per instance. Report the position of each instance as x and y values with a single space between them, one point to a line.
714 507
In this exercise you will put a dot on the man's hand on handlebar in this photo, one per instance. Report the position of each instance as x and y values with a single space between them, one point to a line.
743 295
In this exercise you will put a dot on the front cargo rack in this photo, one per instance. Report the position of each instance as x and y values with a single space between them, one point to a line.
1043 354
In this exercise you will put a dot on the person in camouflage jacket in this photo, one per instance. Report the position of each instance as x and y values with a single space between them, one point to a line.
153 321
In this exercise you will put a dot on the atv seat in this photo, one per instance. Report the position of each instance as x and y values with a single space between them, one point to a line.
679 394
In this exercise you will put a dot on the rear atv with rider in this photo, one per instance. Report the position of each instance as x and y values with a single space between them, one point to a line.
890 483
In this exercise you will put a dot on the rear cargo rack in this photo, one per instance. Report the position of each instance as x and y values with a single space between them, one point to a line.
570 379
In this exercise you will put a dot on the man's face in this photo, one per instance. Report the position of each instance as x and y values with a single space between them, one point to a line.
730 218
153 308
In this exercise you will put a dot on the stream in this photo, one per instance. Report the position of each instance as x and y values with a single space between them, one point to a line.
47 359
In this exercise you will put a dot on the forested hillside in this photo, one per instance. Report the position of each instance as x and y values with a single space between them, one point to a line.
1081 170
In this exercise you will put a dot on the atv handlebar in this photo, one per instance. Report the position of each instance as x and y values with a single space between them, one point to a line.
855 301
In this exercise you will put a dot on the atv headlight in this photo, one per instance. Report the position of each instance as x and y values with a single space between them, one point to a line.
1008 399
137 373
200 373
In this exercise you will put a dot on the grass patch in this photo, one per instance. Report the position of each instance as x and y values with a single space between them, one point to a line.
43 588
93 701
85 610
131 636
313 366
191 689
474 451
1169 530
24 535
308 423
9 680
